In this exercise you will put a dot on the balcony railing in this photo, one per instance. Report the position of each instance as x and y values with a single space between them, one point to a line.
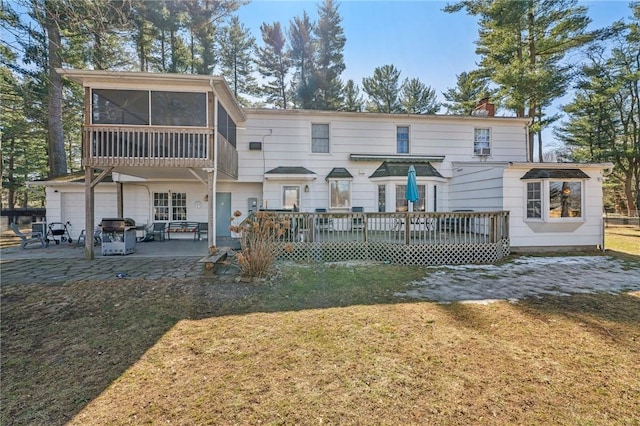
405 238
149 146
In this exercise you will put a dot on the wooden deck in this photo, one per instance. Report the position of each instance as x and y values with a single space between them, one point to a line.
406 238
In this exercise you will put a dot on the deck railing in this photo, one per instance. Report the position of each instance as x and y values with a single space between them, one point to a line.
153 146
405 238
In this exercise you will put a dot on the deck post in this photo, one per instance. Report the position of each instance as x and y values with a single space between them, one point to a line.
120 198
89 212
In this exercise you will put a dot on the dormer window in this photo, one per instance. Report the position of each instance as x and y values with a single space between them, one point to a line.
482 142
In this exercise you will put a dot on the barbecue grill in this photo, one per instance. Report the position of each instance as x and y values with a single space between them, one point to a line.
118 235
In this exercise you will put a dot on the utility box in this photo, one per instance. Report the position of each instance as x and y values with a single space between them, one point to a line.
252 205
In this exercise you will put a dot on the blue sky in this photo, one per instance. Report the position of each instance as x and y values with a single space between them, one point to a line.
416 36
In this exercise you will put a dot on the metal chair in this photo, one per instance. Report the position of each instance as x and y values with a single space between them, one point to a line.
203 229
324 223
158 228
357 222
97 237
28 237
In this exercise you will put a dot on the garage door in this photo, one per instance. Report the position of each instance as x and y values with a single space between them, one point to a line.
73 210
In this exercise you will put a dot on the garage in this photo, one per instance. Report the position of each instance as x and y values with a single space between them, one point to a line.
73 210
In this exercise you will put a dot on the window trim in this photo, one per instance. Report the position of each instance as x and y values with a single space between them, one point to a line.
477 151
545 201
328 139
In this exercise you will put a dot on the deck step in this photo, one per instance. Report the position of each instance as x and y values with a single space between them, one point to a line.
218 258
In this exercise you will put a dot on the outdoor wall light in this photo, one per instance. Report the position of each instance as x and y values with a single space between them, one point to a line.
306 188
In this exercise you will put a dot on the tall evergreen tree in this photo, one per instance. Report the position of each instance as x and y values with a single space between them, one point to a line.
303 84
237 48
464 98
274 64
418 98
352 99
522 44
205 18
329 58
382 89
604 117
23 142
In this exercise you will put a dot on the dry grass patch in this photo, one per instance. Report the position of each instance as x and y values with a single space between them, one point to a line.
558 361
624 239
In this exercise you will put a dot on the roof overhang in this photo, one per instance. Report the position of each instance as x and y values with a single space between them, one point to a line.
404 158
544 173
285 173
146 80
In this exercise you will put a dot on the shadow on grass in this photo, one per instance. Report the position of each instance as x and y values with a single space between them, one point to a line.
64 344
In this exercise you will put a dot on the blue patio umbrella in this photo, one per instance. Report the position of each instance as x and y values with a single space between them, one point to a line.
412 187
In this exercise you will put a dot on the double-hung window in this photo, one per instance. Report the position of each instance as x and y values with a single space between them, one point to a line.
320 138
402 139
482 141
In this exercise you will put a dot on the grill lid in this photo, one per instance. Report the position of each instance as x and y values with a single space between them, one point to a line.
117 223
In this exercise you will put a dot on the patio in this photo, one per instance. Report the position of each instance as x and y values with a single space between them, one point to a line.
174 248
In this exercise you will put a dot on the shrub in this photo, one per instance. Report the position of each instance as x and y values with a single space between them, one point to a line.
261 234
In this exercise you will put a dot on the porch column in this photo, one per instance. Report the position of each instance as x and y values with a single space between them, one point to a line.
211 209
89 207
120 198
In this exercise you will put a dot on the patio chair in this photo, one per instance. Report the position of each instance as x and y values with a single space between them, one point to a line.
28 237
203 229
157 228
324 223
357 222
97 237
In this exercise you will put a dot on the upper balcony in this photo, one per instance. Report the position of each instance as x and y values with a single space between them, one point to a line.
158 126
157 146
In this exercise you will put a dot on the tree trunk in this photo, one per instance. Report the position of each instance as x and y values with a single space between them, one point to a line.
628 193
57 157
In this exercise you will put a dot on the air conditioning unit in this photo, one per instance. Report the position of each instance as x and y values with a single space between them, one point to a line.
483 151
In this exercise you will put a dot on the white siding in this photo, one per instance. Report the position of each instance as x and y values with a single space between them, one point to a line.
477 187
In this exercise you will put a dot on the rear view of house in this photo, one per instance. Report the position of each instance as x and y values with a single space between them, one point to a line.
169 148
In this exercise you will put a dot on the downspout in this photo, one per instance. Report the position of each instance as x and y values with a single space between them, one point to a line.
526 143
214 175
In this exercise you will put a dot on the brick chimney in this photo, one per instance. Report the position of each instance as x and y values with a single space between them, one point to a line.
485 108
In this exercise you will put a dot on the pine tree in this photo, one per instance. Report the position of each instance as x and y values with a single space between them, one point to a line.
330 42
604 116
465 96
237 47
382 89
522 45
418 98
274 64
352 99
302 55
